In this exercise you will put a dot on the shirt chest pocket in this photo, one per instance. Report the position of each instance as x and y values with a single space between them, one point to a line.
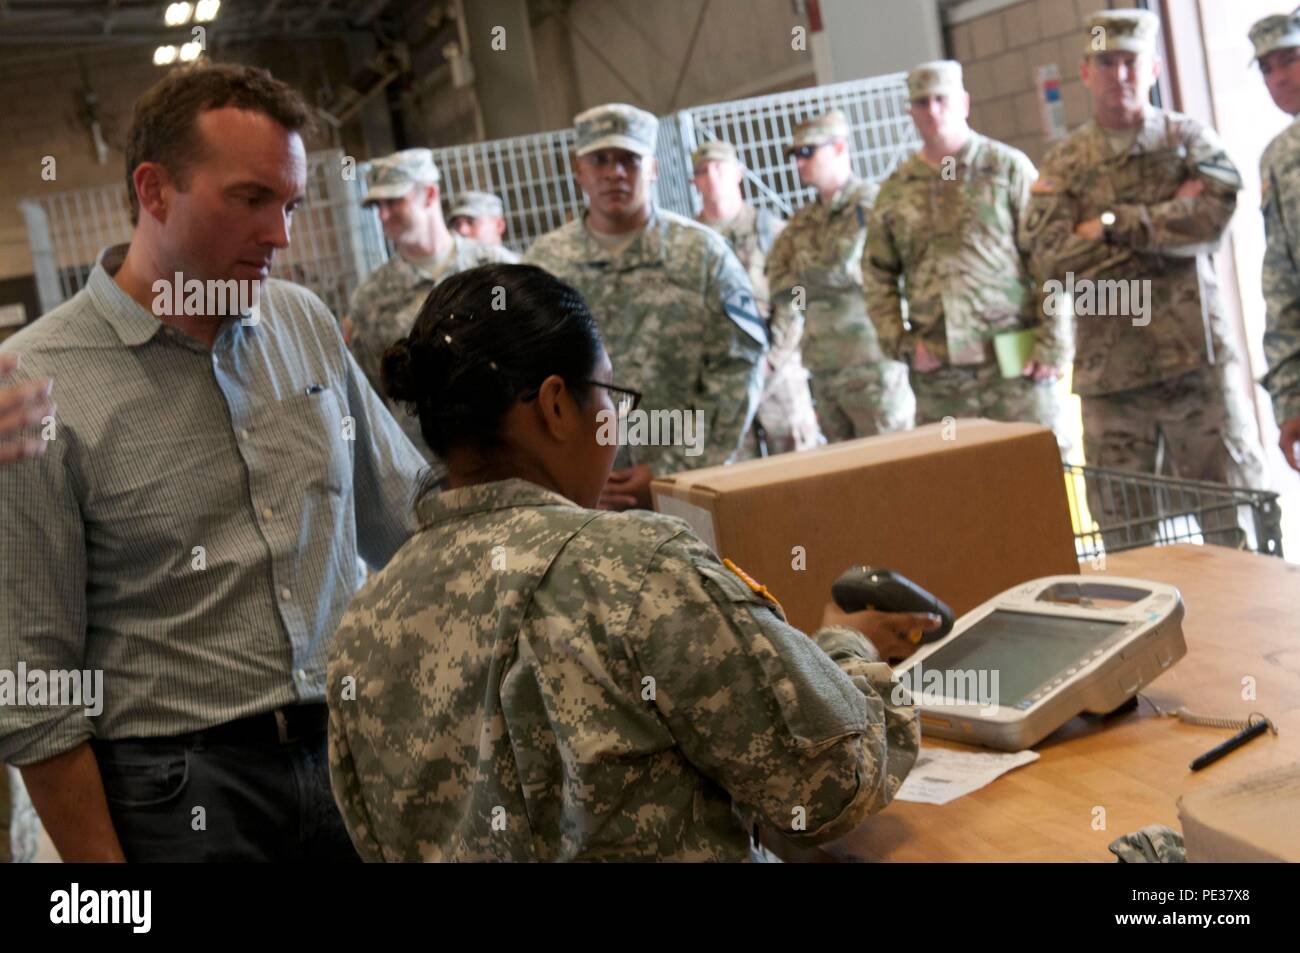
1153 176
313 429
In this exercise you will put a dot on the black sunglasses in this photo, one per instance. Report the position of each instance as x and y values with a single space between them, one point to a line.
803 152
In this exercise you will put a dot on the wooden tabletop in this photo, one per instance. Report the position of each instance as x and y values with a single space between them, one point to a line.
1241 621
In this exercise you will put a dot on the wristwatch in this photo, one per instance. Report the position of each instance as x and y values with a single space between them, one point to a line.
1107 220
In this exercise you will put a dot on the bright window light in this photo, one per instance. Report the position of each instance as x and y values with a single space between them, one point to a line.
164 55
178 13
206 10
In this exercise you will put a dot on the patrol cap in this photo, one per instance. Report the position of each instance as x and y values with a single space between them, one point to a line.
391 177
477 205
714 150
1128 31
616 126
819 130
1275 33
938 77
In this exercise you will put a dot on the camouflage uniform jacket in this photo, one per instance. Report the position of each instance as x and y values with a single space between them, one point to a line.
538 681
680 323
383 309
1280 179
952 241
818 258
751 235
1156 237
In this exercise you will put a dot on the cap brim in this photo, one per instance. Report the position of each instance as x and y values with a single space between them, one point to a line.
381 193
616 142
1290 41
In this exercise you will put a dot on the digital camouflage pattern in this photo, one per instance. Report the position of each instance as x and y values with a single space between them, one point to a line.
948 241
1275 32
536 681
680 324
1153 844
814 273
785 409
1280 178
384 306
1167 242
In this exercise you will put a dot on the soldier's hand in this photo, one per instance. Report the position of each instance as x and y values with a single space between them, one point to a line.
1190 189
1091 230
1288 441
923 362
1039 371
627 488
894 634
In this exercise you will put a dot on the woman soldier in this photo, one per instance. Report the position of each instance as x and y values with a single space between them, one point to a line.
531 678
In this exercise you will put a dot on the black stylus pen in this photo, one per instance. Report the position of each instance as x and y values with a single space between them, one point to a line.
1236 741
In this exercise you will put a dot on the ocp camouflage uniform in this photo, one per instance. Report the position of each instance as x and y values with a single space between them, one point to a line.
947 241
530 680
818 258
1176 386
680 325
1280 178
785 410
384 306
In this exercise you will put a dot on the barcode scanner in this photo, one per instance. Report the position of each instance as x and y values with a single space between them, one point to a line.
866 587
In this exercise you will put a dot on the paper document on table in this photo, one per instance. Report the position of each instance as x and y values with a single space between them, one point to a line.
940 775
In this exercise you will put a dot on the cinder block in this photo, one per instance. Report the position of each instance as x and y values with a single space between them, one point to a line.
1056 17
963 44
986 33
1009 73
979 81
1020 25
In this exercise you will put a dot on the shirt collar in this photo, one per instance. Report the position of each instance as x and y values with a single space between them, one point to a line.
436 508
133 324
641 247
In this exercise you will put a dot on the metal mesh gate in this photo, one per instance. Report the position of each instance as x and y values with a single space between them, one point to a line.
336 242
333 243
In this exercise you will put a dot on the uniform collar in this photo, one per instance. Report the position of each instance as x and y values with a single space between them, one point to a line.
449 505
644 247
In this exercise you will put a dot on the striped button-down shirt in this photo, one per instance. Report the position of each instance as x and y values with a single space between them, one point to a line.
193 529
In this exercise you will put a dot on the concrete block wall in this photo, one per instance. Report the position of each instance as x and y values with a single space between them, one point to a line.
1000 53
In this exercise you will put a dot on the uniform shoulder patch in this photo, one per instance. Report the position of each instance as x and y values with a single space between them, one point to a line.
741 307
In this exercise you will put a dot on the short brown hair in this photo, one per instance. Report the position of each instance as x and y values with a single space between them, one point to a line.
163 124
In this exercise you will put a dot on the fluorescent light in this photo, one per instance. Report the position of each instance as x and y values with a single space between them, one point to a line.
178 13
206 10
164 55
190 51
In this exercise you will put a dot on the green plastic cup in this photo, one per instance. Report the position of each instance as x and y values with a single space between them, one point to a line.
1013 349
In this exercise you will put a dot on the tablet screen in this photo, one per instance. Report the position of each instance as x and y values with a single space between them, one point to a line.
1024 649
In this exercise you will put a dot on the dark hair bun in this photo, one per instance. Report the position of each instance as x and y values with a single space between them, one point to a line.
398 372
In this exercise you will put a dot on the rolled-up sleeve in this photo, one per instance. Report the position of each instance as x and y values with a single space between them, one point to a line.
43 601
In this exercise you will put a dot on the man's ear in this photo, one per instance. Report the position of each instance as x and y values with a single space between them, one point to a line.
1084 69
652 169
966 111
1157 67
152 183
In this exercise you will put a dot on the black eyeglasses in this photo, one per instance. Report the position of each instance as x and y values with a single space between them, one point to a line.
626 399
803 152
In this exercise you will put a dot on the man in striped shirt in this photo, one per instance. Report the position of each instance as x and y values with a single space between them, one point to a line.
190 534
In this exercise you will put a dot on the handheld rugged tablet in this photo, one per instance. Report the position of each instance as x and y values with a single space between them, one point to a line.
1019 666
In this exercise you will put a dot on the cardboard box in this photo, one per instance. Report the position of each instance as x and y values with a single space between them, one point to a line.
965 510
1247 821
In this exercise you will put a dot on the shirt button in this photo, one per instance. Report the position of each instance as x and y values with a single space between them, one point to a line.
267 514
300 675
243 434
286 595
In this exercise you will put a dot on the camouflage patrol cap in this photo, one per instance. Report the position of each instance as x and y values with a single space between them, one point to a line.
714 150
938 77
1275 33
819 130
616 126
477 205
391 177
1128 31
